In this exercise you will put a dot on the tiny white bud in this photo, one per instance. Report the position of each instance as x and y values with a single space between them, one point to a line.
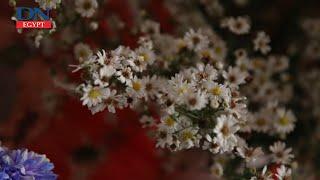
94 25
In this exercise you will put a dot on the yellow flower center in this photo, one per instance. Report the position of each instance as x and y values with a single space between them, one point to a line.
169 122
182 90
94 94
181 45
205 53
216 91
261 122
144 56
218 50
215 171
225 130
83 54
284 121
136 86
86 5
186 135
195 40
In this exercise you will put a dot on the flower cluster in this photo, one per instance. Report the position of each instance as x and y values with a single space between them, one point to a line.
201 106
24 164
202 100
119 67
270 88
309 66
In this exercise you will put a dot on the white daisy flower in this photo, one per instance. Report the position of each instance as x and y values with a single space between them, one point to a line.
267 91
121 52
187 75
285 120
107 71
164 138
146 55
238 108
169 123
189 138
225 129
93 95
86 8
166 101
234 77
278 63
196 100
151 86
145 42
239 25
195 40
280 154
244 124
218 93
137 63
147 121
204 73
241 54
258 64
242 59
261 121
261 43
136 90
180 88
165 46
219 51
150 27
125 76
250 154
214 8
82 52
216 170
109 65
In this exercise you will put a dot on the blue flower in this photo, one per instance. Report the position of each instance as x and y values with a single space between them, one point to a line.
24 165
